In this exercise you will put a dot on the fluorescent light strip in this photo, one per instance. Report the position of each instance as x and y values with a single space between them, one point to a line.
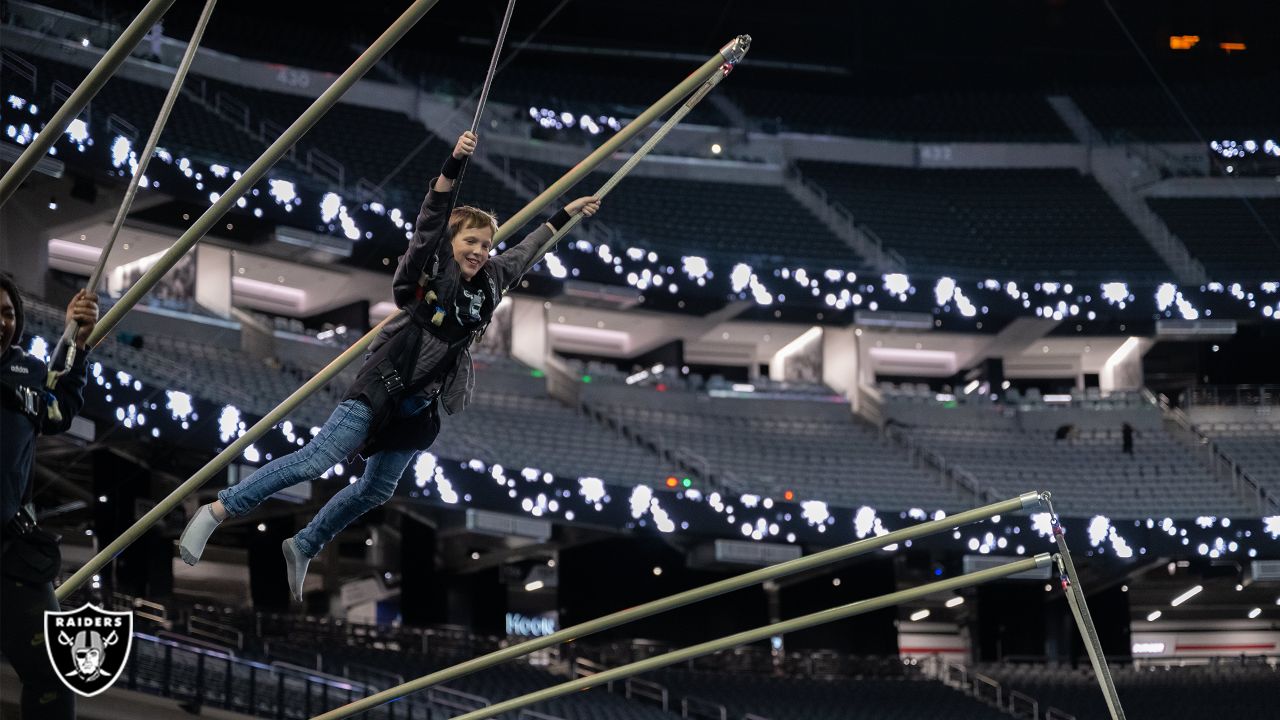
955 602
919 615
1187 595
1154 616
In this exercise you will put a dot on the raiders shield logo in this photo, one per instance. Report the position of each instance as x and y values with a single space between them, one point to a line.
88 646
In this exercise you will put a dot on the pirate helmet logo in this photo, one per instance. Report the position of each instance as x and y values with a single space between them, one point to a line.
88 646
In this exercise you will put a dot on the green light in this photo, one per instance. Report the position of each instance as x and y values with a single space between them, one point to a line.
586 378
537 373
687 482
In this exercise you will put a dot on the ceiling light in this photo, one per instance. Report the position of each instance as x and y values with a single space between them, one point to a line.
919 615
1154 616
1187 595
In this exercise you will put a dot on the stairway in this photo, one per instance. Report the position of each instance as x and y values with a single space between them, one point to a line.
1118 170
861 239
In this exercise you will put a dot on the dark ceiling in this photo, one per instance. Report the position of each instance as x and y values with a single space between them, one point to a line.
910 44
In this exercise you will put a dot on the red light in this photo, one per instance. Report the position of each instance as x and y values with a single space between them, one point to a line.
672 482
661 387
788 495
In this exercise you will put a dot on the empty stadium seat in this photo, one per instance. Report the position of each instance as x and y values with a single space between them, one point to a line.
1225 234
1030 224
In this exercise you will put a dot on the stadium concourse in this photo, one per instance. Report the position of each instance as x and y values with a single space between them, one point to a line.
902 270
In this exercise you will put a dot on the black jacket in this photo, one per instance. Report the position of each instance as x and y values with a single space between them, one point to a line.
29 410
426 363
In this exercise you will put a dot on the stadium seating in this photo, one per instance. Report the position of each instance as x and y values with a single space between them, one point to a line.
508 681
510 421
370 143
192 130
690 217
1032 224
1225 235
1228 108
813 448
224 376
1156 693
571 84
933 117
907 698
1256 448
1089 473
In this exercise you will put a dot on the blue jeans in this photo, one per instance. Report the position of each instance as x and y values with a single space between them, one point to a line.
341 435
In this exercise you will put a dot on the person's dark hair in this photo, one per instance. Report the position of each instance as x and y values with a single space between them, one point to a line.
9 286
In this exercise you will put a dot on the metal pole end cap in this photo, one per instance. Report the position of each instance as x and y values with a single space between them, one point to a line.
736 49
1043 560
1030 499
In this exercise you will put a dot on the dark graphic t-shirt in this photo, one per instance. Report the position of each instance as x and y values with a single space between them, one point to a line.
469 302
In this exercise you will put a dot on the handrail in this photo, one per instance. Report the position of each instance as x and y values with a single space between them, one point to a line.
712 709
367 191
981 681
349 669
269 131
196 642
648 690
1026 700
119 126
455 699
231 108
527 713
1241 481
948 471
325 165
21 68
215 631
149 610
1263 395
584 667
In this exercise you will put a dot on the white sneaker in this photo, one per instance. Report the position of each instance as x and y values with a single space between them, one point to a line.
296 563
196 534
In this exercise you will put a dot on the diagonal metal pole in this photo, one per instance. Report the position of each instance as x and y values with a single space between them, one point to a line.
822 617
1080 609
259 168
424 275
634 160
734 49
493 65
111 61
66 348
791 567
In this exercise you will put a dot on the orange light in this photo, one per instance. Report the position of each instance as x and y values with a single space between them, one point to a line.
788 495
1183 42
1229 47
672 482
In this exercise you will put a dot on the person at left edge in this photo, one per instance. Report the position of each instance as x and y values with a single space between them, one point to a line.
29 556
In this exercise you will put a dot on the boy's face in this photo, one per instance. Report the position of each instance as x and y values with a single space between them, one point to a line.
8 320
471 249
